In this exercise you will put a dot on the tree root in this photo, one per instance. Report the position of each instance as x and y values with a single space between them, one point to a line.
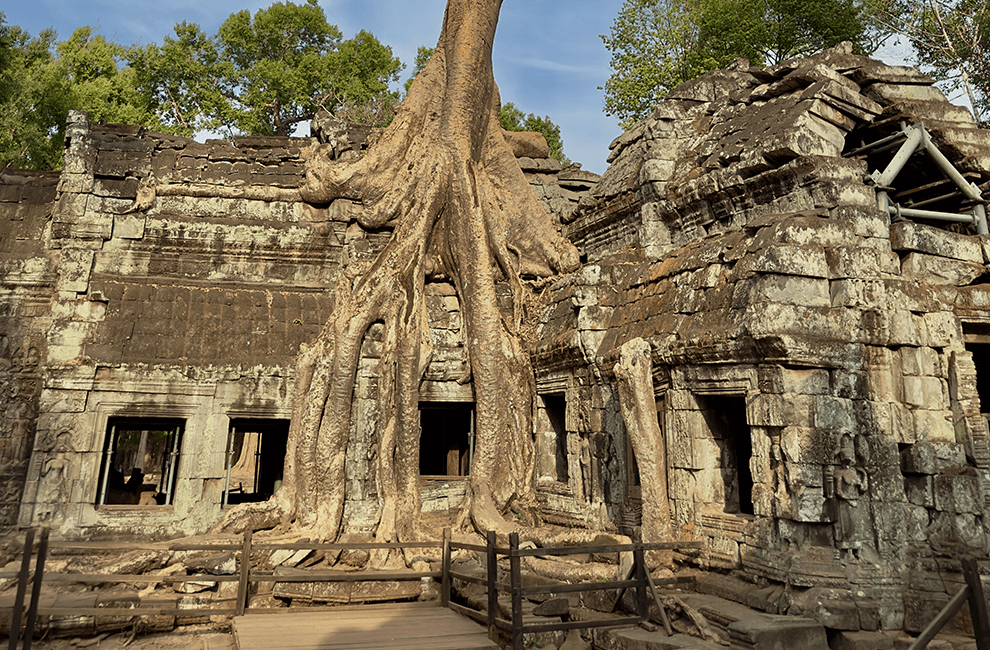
444 179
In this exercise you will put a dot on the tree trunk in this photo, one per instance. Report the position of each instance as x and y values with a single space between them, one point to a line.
443 177
639 413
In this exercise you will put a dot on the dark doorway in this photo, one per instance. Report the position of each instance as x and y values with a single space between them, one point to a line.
446 437
981 359
556 410
254 460
726 419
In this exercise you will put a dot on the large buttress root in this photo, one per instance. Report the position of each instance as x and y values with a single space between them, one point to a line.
634 376
444 179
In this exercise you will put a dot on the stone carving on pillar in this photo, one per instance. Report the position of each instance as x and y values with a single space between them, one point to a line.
854 529
53 481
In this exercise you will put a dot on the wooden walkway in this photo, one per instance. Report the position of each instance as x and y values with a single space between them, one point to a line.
409 626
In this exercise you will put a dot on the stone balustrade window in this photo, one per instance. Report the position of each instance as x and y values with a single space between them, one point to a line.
140 462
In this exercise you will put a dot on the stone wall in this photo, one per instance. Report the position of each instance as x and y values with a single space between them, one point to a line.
814 362
26 286
173 280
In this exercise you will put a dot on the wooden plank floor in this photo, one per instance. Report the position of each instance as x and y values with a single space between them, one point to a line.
362 627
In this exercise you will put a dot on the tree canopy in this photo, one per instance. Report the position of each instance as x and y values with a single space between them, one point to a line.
259 75
41 81
264 74
658 44
951 39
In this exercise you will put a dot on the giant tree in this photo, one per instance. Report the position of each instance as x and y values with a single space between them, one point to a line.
442 177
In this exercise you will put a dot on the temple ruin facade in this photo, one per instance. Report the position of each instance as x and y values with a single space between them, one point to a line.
803 248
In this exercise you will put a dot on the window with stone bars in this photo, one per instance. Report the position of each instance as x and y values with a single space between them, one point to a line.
140 462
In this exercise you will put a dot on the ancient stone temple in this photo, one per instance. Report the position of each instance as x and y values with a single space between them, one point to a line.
802 251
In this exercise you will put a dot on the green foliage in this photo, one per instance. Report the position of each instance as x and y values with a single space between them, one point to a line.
513 119
265 74
950 39
39 88
26 99
423 55
260 75
658 44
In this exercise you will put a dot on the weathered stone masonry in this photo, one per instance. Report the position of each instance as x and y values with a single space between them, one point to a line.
818 362
187 302
816 366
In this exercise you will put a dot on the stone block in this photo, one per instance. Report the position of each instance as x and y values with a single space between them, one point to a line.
916 521
835 414
76 266
792 290
918 458
854 262
833 608
784 259
942 328
959 494
919 491
919 361
926 393
807 445
681 448
902 425
804 381
778 633
921 607
805 475
807 504
849 384
934 425
129 226
922 238
770 410
928 269
860 640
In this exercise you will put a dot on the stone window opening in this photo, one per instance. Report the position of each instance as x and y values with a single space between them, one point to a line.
554 424
725 416
446 443
140 462
254 460
976 337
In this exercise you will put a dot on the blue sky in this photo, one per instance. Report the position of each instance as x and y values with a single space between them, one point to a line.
548 56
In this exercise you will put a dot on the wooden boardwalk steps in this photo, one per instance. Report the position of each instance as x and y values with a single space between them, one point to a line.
409 626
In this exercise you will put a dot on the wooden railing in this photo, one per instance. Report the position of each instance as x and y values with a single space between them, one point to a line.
972 592
515 626
22 624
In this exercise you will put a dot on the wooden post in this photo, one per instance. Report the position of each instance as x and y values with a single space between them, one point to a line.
22 583
656 598
642 604
948 612
242 586
516 583
977 604
39 570
445 579
492 582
